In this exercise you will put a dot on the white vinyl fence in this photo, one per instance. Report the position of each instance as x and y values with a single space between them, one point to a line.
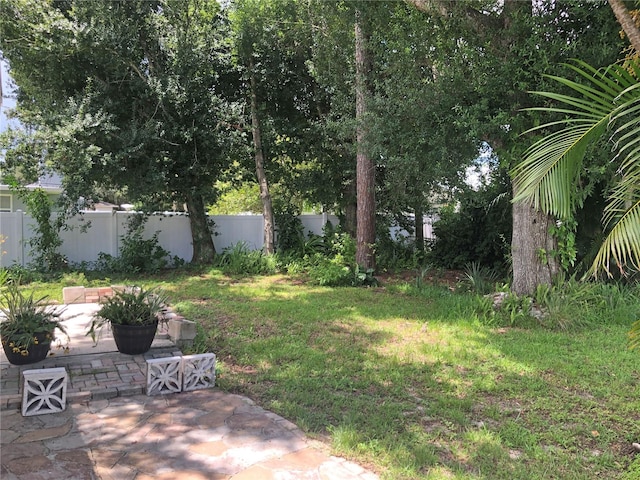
105 230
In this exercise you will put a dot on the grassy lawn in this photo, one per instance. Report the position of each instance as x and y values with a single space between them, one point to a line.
411 384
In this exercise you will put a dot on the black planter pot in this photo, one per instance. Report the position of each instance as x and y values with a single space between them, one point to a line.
134 339
35 352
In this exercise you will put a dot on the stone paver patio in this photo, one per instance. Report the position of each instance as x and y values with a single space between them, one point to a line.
111 430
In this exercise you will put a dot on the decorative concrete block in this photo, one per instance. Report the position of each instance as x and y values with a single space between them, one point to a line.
73 295
45 391
181 331
164 375
198 371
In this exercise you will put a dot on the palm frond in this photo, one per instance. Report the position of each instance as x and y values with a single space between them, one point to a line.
621 247
550 170
548 175
609 100
627 116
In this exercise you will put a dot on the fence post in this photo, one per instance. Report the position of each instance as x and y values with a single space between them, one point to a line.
114 233
20 229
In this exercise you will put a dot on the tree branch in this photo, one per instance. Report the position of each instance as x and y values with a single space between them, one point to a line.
480 22
627 23
429 6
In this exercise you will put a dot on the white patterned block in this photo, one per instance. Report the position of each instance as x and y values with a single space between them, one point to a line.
198 371
45 391
164 375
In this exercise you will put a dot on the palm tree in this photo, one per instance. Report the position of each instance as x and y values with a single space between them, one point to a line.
605 102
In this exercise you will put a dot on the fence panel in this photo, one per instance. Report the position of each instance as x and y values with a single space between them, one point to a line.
231 229
105 230
11 250
174 233
16 230
101 235
316 223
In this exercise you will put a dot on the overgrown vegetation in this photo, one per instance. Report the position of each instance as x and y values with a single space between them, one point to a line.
478 230
137 254
45 243
327 259
239 259
480 279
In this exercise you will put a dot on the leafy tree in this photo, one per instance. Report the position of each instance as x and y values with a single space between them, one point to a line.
506 55
126 94
331 64
273 47
422 144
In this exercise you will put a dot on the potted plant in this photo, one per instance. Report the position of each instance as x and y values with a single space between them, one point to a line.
133 314
28 326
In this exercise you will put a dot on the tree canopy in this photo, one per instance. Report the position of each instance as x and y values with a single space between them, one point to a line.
127 94
157 99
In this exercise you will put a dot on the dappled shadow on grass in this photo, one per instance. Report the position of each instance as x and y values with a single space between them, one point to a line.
321 362
408 384
586 382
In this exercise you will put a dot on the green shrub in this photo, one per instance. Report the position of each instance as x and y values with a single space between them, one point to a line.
340 243
399 254
478 230
335 273
19 275
515 309
573 303
331 274
137 254
289 229
239 259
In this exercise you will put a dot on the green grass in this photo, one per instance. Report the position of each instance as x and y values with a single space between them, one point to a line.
411 384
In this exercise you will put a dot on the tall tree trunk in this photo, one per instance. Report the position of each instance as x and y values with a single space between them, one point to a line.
625 20
531 241
267 206
203 249
365 168
531 247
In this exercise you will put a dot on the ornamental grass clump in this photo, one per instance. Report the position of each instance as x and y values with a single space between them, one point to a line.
133 306
27 321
